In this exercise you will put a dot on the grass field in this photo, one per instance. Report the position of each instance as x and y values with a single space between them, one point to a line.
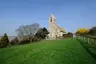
68 51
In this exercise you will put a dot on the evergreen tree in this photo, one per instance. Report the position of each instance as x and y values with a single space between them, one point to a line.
4 41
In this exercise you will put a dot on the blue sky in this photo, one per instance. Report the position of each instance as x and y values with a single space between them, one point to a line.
70 14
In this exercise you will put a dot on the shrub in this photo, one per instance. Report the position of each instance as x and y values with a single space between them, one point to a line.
14 41
69 34
64 35
24 41
35 39
4 41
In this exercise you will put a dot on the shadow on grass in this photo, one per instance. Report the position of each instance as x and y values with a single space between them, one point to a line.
87 49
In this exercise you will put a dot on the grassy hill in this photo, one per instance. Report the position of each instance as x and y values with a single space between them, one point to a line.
47 52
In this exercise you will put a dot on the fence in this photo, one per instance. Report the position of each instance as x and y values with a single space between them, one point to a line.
88 39
89 43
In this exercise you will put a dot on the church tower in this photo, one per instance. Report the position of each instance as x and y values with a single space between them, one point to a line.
52 22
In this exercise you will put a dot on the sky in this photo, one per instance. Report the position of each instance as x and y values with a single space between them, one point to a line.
70 14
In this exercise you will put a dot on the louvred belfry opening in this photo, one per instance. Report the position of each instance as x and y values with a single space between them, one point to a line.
50 19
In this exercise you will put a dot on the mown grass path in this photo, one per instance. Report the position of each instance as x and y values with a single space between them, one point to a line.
68 51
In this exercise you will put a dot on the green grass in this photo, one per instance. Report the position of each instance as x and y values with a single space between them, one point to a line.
90 48
68 51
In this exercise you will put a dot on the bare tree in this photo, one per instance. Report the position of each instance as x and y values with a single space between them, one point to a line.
27 31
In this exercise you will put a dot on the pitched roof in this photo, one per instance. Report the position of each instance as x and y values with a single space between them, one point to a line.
61 29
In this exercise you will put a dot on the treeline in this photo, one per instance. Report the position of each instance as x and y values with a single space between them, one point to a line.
86 32
26 34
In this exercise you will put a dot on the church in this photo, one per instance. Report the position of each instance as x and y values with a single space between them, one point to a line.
54 30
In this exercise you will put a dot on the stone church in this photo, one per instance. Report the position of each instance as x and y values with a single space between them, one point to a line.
54 30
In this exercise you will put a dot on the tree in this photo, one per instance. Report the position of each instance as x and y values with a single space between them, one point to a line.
4 41
28 31
82 31
14 41
92 31
42 33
